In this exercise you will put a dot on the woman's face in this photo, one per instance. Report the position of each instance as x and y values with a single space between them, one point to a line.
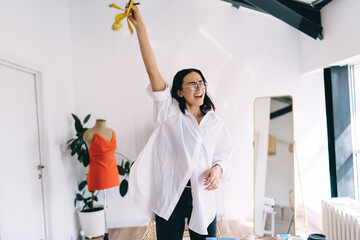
193 89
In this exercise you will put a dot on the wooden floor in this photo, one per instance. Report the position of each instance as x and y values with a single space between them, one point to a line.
234 228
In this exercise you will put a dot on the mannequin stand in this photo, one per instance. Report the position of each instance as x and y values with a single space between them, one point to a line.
106 234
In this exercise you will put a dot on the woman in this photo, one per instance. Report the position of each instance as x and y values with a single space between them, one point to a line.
187 154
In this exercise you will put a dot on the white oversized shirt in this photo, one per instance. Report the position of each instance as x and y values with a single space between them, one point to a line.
179 149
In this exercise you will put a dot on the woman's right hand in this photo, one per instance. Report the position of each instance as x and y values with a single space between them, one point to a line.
135 16
156 80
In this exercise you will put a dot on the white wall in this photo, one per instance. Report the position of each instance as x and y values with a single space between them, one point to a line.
340 45
243 55
340 20
38 31
261 143
311 146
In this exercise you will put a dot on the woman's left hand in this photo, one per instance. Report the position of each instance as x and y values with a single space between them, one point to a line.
212 178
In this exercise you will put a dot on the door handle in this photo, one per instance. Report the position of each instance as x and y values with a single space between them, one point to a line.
40 167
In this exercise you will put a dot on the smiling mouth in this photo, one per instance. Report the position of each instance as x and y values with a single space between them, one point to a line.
198 95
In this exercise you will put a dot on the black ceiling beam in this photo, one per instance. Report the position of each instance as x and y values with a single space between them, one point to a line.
319 4
281 112
294 14
305 10
243 3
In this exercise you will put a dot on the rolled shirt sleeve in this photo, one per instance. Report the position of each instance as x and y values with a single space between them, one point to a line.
162 103
223 153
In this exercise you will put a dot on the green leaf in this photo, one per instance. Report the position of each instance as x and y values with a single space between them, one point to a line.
87 118
70 141
73 151
75 117
82 185
78 125
68 147
77 147
86 159
123 187
127 167
81 157
95 198
82 151
73 144
84 154
75 201
88 199
79 197
121 170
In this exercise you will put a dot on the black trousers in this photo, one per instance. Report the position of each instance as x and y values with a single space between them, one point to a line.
173 229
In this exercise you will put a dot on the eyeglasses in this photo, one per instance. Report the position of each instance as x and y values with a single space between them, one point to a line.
194 86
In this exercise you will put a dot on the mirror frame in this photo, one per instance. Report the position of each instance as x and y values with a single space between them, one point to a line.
254 160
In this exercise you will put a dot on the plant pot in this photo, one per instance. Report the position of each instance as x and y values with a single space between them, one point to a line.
92 221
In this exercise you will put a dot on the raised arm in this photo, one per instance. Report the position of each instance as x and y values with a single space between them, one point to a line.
156 80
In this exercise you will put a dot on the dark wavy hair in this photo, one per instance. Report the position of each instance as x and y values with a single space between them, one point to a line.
177 85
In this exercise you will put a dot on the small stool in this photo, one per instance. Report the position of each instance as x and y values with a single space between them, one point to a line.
269 208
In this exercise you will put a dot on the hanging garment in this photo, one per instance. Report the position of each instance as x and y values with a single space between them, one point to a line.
103 171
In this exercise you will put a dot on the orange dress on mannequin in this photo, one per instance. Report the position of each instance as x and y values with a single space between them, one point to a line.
103 171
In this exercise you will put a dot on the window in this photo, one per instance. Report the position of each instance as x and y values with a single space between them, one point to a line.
354 87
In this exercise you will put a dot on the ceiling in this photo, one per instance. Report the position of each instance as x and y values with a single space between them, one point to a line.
304 15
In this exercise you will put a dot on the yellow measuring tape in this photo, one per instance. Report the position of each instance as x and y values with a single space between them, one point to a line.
118 18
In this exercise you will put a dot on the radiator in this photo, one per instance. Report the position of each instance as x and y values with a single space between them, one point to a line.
341 219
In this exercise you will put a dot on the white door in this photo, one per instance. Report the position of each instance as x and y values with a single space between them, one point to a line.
21 197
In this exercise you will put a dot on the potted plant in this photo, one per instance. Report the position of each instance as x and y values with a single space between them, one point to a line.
89 210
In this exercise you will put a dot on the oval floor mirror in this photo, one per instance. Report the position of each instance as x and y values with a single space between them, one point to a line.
273 166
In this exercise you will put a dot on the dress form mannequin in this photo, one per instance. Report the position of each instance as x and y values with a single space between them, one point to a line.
99 128
103 172
101 142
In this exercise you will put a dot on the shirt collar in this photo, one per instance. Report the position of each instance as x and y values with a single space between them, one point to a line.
210 112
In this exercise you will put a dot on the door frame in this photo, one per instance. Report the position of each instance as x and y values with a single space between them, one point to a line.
21 64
